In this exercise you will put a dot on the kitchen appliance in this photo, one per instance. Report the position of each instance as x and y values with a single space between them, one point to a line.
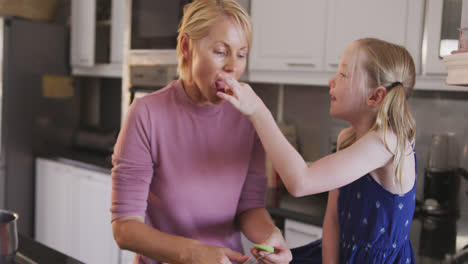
8 235
442 176
28 51
443 228
152 75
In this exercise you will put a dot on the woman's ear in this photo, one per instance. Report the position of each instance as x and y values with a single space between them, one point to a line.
377 96
185 47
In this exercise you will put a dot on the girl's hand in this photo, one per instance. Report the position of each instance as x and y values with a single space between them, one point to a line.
282 253
203 253
240 95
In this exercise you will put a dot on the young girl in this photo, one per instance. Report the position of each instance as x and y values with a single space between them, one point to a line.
372 177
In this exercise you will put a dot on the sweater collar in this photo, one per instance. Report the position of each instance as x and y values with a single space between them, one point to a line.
204 110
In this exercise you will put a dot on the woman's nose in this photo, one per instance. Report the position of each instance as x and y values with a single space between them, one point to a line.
331 82
230 64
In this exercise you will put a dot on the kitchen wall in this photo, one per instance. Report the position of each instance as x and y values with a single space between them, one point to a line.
307 108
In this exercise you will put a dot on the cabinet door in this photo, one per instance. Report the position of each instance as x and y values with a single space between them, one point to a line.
298 233
93 238
288 35
117 31
53 205
396 21
83 30
440 33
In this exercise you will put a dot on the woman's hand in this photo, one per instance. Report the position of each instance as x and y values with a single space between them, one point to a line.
240 95
202 253
282 253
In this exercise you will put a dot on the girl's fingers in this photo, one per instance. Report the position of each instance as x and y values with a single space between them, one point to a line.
229 98
232 84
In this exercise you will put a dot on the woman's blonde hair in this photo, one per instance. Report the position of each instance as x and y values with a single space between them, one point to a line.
391 66
198 18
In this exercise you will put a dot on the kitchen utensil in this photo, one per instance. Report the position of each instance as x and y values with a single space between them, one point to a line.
8 235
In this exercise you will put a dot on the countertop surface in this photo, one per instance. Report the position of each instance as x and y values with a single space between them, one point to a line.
85 159
39 253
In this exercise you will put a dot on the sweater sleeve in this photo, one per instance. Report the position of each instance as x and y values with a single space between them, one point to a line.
254 188
132 162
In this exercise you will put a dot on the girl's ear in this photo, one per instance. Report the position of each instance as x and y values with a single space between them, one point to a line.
377 96
185 47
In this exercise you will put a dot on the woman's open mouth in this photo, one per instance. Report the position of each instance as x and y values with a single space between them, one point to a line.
220 86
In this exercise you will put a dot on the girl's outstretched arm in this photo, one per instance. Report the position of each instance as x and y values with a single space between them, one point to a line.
331 230
328 173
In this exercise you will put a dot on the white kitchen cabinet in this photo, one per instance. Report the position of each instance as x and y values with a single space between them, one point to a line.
97 37
93 238
52 203
440 34
288 39
288 36
72 212
298 234
300 41
397 21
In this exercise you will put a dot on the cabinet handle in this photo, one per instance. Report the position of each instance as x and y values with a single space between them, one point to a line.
335 65
310 65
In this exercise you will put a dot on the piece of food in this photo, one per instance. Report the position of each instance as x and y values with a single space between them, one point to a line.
220 86
263 247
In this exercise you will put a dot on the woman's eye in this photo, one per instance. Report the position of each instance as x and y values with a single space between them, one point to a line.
220 53
342 75
241 56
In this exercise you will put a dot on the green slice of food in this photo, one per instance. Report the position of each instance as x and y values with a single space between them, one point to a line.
266 248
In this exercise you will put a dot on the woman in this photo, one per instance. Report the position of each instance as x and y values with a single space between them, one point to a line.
188 170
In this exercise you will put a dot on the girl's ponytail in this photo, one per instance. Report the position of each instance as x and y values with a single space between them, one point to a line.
390 66
394 114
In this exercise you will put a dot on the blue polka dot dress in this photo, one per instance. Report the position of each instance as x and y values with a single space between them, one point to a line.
375 223
374 226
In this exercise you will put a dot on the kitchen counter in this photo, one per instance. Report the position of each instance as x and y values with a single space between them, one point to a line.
434 239
33 252
85 159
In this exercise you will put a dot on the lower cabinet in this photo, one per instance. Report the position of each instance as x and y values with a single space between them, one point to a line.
298 233
72 213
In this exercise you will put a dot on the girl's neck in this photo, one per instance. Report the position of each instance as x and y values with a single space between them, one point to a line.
362 125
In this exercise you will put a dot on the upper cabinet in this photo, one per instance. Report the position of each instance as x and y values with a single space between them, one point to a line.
288 38
440 34
288 41
300 42
396 21
97 37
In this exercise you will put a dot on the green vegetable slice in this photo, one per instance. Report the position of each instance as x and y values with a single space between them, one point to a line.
266 248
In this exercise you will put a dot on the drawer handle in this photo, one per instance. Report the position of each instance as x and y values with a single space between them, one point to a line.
334 65
309 65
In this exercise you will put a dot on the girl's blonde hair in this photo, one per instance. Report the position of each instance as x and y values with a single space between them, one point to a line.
391 66
198 18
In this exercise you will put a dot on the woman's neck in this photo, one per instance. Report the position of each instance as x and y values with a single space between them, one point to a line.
193 92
